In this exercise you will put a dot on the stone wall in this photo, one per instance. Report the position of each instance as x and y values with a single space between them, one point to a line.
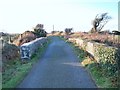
28 49
107 57
97 49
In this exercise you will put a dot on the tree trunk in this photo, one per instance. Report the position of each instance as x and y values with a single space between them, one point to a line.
94 29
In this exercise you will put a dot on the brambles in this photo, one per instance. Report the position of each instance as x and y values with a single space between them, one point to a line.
105 38
9 52
27 36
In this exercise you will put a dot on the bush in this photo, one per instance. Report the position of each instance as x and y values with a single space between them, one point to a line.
9 52
39 31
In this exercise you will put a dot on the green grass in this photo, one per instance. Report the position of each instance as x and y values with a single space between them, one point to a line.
99 75
101 80
15 74
17 70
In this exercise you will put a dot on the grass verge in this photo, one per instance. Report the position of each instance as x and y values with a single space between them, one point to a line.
16 70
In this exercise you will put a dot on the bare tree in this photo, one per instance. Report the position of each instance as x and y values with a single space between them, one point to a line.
100 21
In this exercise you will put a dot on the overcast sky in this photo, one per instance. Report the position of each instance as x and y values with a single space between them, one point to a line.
17 16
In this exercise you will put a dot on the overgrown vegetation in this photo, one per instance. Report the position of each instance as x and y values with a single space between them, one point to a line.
103 37
9 52
17 70
28 36
104 74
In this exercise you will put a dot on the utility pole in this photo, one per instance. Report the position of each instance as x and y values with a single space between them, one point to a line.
53 27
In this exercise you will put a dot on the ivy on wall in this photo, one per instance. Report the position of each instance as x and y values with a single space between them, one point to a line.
107 57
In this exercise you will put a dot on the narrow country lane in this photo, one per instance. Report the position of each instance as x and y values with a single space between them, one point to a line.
58 68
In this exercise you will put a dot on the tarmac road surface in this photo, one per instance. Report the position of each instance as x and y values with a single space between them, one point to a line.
58 68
